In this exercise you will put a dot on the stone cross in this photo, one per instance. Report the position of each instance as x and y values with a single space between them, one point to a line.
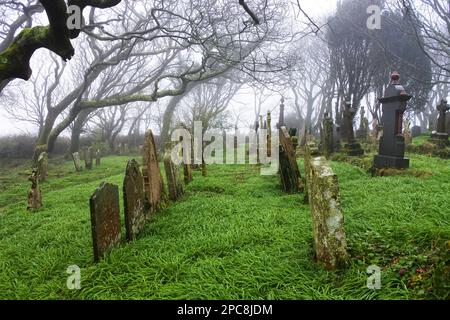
105 219
34 194
392 143
154 187
76 161
133 200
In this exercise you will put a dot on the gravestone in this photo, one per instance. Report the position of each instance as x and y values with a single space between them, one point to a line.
105 219
441 135
187 171
407 133
77 162
337 137
133 200
352 147
269 134
392 143
172 174
98 157
327 217
416 131
42 166
289 172
327 142
153 183
88 158
34 194
362 133
281 116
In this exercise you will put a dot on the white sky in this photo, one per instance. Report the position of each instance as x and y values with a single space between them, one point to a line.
312 7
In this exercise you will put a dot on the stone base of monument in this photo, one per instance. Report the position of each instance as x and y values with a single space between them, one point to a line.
381 161
353 149
440 139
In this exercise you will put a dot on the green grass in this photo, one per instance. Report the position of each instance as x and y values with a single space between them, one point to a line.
233 235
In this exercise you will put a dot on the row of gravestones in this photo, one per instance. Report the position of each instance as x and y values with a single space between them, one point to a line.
143 195
322 193
89 154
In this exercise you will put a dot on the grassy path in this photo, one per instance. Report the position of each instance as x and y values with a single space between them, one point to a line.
234 235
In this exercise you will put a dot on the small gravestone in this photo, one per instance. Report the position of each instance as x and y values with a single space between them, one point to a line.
98 157
77 162
327 142
88 158
407 133
34 194
416 131
362 133
153 183
173 175
441 135
392 143
133 200
352 147
289 172
42 166
105 219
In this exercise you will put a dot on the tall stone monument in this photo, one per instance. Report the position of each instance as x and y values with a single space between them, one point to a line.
352 147
441 135
327 142
392 144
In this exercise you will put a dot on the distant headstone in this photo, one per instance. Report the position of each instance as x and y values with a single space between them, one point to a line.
105 219
77 162
327 142
441 135
133 200
98 157
416 131
289 172
88 158
153 183
362 133
352 147
392 144
34 194
407 133
173 175
327 217
42 166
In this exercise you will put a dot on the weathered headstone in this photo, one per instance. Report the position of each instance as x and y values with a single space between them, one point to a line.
187 171
42 166
392 144
441 135
105 219
362 133
133 200
327 217
98 157
34 194
153 183
88 158
416 131
352 147
327 142
173 175
289 172
407 133
77 162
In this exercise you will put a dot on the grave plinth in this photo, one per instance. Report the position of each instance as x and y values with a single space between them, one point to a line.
392 143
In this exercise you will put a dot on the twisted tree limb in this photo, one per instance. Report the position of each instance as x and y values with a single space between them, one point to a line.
15 60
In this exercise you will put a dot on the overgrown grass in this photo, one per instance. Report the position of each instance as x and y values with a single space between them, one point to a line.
233 235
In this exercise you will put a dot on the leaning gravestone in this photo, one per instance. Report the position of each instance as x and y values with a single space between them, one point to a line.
154 187
133 200
289 172
88 158
42 166
105 219
416 131
34 194
327 217
173 175
76 161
